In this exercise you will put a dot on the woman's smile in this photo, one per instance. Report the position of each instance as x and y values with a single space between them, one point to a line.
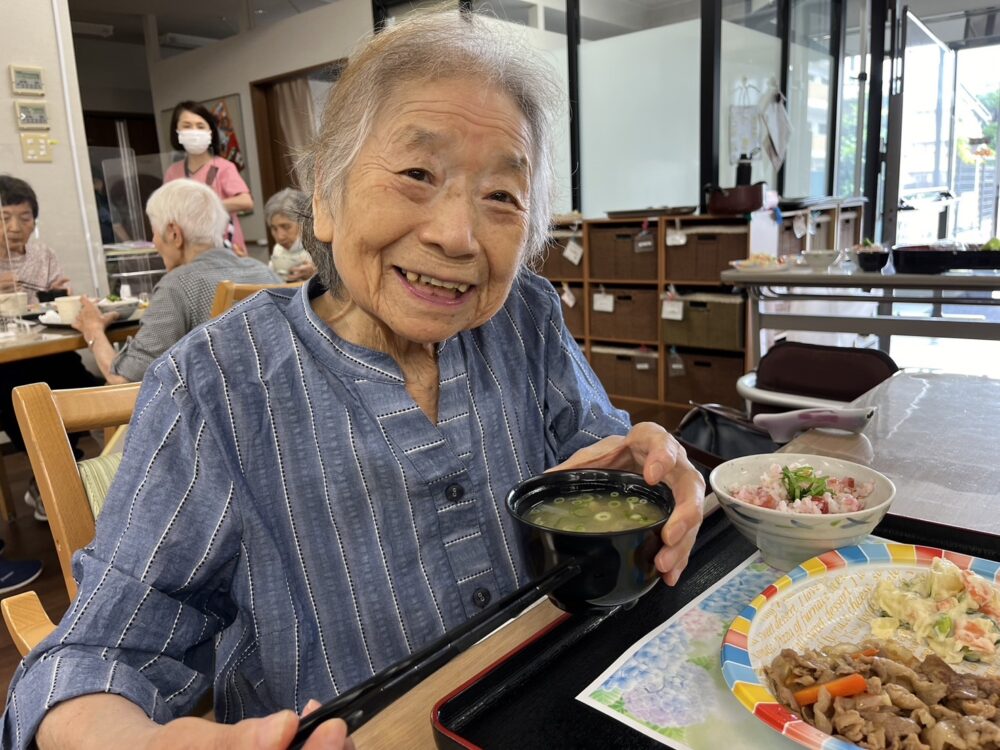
435 290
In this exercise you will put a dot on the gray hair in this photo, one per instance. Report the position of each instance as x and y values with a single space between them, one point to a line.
192 206
430 47
288 202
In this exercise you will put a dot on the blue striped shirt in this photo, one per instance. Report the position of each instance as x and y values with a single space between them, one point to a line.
287 521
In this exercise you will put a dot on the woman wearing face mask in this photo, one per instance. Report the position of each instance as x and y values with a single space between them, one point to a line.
194 131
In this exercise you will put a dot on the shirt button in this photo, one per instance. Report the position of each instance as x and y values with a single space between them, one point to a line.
454 492
481 597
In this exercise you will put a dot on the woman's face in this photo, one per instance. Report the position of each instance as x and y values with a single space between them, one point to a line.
18 224
433 223
284 230
191 121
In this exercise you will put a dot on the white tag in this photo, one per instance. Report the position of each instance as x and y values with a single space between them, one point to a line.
672 309
799 226
642 365
603 302
568 298
573 252
125 291
676 237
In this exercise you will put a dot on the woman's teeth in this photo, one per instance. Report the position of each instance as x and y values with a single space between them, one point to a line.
423 279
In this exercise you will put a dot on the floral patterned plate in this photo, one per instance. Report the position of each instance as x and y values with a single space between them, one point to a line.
824 601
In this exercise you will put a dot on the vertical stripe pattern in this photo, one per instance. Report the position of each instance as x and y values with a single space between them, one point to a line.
286 521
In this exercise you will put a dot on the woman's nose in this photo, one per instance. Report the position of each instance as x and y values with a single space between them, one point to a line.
452 224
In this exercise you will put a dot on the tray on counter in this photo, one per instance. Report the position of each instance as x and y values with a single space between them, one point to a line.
928 260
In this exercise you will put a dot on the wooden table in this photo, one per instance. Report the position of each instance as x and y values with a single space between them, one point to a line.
40 342
44 341
935 435
407 722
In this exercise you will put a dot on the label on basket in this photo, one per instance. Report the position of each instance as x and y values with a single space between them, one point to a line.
641 364
799 226
573 252
644 242
676 237
603 302
568 298
672 309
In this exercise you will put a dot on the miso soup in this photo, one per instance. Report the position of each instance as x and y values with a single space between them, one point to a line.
596 512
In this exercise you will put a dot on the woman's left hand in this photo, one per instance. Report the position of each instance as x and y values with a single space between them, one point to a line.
650 450
91 321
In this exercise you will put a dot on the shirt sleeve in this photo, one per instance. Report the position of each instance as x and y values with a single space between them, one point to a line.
174 172
578 411
166 321
229 182
153 584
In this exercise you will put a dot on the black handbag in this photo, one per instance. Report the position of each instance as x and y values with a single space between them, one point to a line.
712 434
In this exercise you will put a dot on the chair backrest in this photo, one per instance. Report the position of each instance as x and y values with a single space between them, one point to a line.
228 293
46 418
837 373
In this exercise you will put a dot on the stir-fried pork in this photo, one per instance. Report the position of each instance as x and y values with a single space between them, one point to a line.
907 704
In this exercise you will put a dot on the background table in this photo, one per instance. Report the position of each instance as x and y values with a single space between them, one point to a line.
43 341
801 285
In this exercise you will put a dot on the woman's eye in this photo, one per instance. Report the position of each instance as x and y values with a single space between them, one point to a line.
420 175
503 197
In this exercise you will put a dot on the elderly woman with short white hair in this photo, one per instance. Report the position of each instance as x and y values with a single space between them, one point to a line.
189 222
313 484
283 213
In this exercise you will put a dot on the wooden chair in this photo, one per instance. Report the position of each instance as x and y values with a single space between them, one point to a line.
46 418
228 293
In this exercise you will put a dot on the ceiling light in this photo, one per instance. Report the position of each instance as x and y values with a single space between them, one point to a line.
103 30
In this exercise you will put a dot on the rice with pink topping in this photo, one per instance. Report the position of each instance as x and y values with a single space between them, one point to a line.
798 488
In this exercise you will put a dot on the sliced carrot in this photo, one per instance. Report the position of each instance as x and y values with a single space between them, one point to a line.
866 652
852 684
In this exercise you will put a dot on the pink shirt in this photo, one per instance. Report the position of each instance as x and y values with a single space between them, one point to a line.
227 183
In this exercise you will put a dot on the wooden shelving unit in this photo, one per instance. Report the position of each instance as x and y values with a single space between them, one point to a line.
626 347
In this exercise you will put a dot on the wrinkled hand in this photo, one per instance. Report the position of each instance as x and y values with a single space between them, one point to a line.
91 321
62 282
274 732
650 450
302 272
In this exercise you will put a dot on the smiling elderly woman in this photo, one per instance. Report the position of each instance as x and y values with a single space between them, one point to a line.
312 486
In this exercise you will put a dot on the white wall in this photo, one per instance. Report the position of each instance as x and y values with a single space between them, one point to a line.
113 76
62 223
639 119
228 66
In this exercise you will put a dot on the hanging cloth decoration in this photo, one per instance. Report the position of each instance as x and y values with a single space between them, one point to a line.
744 124
776 125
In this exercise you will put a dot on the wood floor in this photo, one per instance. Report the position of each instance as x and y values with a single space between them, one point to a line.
27 538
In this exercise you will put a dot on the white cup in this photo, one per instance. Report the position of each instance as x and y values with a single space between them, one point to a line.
13 304
68 308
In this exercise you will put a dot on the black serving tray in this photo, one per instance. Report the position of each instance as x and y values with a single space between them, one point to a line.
527 699
924 259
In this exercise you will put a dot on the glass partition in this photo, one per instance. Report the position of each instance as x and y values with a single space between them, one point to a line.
810 97
639 105
750 68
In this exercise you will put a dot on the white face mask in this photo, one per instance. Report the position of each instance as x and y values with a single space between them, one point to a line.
195 141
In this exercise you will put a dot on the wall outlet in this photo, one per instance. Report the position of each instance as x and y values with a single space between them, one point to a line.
35 147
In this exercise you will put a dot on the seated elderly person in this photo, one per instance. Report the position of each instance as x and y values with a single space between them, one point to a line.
29 265
283 214
188 221
313 484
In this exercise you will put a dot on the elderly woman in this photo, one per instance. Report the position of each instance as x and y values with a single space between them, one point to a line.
188 221
313 484
283 214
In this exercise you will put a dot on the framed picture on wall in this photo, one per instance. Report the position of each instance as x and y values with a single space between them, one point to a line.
229 118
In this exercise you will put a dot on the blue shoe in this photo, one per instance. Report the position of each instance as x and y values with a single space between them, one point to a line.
17 573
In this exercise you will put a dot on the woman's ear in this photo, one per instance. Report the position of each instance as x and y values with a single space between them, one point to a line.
322 220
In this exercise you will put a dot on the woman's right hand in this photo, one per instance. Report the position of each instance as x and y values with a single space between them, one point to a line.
103 720
274 732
